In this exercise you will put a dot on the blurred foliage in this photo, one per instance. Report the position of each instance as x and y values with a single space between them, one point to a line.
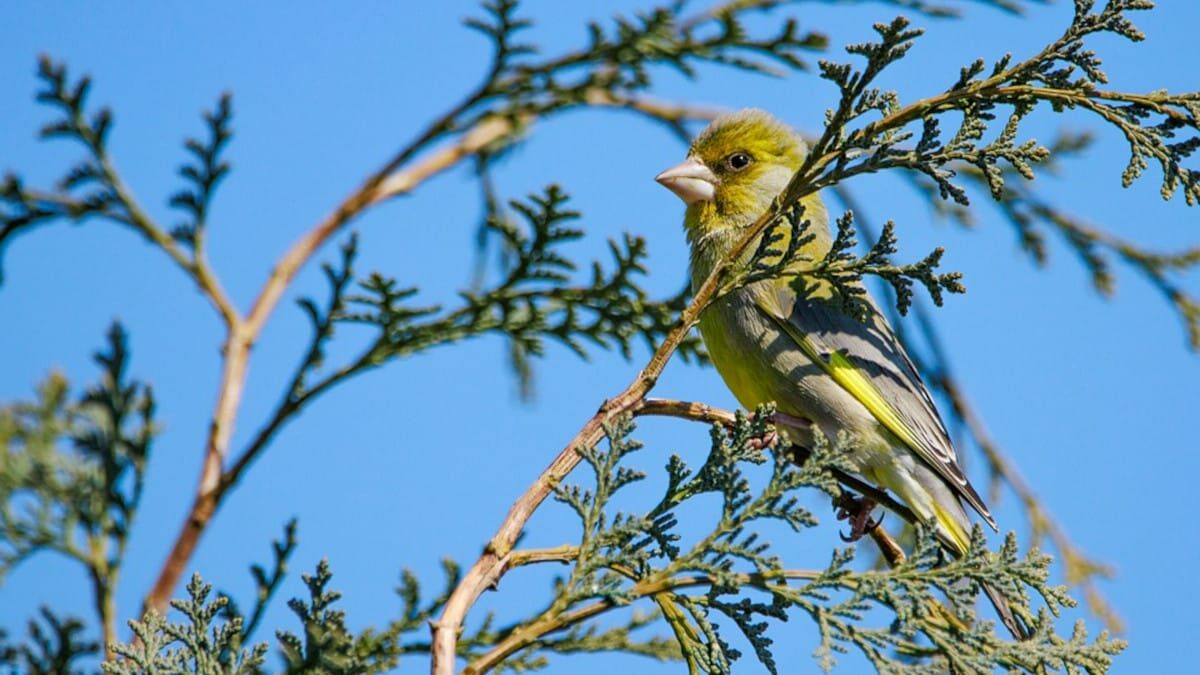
72 473
53 648
1033 215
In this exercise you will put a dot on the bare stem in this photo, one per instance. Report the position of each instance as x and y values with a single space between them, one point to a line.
560 554
891 551
103 595
197 268
386 182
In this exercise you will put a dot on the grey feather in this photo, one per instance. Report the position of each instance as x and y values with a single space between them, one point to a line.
873 348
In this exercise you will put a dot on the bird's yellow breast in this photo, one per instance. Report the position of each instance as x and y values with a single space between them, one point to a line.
762 364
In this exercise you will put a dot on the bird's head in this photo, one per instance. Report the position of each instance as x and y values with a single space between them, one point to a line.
734 169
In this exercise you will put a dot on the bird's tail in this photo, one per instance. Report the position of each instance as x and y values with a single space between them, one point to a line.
953 532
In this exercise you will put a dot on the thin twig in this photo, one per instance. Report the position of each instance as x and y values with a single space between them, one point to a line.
104 598
701 412
532 556
244 333
196 268
892 552
488 569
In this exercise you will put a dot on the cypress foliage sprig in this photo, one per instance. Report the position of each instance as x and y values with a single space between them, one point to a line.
266 584
778 256
207 171
54 646
732 572
93 188
1063 75
74 473
199 644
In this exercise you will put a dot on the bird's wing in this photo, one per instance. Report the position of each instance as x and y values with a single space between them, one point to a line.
869 362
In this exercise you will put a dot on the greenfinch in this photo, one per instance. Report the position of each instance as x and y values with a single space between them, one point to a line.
789 341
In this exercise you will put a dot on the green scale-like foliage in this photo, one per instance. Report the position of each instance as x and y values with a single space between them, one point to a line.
72 473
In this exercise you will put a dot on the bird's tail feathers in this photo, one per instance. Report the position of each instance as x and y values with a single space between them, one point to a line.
953 532
952 529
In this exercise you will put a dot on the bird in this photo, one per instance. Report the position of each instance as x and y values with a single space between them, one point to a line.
793 344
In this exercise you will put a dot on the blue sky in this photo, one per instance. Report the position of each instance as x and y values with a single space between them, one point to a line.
1092 398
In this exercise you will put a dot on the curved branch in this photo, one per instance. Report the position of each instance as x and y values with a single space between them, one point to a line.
488 569
393 179
244 333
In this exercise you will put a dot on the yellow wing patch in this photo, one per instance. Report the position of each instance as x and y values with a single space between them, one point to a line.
858 385
861 387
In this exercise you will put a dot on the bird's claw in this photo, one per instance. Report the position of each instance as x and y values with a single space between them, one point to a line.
857 510
767 440
772 438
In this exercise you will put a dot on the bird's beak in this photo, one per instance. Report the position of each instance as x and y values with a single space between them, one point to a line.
690 180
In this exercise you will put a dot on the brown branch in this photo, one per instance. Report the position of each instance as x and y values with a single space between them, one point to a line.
391 180
386 182
674 116
891 551
492 565
688 410
532 556
669 111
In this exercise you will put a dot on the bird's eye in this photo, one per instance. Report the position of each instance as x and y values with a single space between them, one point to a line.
738 161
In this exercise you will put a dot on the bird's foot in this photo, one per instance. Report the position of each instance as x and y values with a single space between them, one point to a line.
857 510
772 438
767 440
786 420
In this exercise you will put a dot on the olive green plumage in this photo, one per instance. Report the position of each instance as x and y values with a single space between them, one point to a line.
800 350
